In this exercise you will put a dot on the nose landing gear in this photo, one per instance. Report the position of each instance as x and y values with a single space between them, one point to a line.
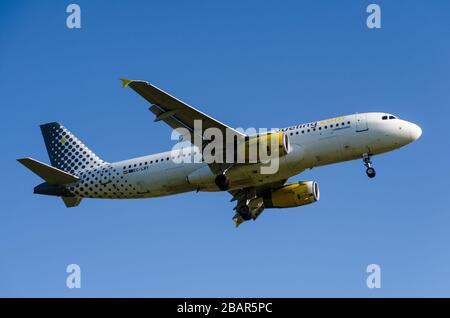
370 171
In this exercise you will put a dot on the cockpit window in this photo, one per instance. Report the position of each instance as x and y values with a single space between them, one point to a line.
391 117
384 117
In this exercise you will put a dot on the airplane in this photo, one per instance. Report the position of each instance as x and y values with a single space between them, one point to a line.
76 172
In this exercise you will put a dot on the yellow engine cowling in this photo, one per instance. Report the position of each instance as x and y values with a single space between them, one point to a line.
292 195
276 144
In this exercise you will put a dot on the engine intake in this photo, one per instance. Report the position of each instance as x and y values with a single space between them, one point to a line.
292 195
222 182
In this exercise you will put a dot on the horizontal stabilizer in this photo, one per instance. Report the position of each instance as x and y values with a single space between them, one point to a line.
71 202
50 174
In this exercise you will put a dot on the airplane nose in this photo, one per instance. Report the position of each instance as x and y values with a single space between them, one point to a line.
415 131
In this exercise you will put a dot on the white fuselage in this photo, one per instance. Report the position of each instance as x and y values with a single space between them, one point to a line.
314 144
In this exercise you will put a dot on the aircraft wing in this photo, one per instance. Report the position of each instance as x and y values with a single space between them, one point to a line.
174 112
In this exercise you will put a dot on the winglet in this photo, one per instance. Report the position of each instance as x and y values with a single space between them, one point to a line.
125 82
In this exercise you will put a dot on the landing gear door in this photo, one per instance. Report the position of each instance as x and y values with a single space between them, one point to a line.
361 122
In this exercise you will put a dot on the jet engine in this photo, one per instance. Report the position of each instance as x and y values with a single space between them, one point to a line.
249 150
277 144
292 195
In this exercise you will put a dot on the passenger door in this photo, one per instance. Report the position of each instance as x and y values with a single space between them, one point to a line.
361 122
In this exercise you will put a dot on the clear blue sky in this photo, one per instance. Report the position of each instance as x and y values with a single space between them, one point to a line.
247 63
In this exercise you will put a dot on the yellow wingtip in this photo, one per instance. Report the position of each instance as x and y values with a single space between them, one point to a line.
125 82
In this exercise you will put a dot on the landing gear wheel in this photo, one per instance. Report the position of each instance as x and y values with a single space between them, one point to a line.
244 212
370 172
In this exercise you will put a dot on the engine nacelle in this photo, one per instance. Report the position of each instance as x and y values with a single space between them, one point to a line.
277 144
292 195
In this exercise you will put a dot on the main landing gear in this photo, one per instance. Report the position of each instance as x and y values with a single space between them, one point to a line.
370 171
244 211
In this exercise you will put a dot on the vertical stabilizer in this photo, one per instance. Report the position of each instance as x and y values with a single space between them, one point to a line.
66 152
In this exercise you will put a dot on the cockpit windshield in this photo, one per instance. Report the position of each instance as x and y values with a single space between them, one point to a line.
387 117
